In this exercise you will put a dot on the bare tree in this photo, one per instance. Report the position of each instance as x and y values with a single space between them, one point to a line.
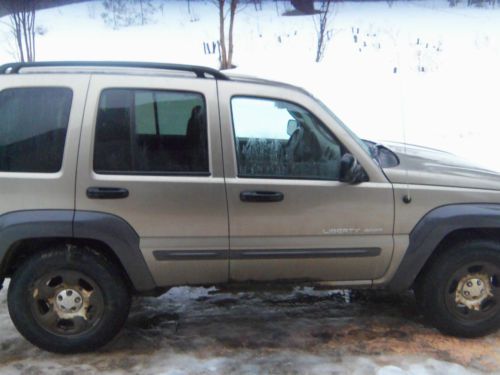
22 22
257 4
146 10
322 26
226 51
124 13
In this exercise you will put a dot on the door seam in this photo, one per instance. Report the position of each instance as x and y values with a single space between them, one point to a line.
225 184
78 151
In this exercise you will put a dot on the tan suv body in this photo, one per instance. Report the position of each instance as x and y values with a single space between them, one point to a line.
182 175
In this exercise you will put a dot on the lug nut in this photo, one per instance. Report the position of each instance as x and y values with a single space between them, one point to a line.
469 284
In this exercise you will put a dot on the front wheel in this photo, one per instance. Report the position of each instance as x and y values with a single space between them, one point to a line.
68 300
460 291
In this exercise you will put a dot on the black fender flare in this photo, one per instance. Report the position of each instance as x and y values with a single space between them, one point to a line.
121 238
110 229
433 228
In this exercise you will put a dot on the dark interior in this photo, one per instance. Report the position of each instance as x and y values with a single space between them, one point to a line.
119 149
41 153
33 125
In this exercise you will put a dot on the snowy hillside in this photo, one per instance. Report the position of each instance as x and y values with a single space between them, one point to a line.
445 91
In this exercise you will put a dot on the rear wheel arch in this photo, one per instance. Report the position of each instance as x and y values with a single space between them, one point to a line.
22 250
23 233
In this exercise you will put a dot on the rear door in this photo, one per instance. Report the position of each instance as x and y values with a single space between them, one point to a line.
290 216
151 154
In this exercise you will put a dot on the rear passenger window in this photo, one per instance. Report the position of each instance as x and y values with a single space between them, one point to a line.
33 124
151 131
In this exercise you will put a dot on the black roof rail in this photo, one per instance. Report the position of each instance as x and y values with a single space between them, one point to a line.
200 71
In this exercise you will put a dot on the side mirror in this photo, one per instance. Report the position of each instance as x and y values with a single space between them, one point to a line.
291 127
351 171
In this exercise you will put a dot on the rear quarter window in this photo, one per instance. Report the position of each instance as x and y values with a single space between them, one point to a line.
33 125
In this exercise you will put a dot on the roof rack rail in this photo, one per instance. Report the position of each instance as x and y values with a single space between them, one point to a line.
200 71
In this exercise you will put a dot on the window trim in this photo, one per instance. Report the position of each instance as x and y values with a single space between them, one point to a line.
235 148
68 124
152 173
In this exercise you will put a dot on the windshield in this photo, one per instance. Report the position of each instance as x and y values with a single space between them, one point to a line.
358 140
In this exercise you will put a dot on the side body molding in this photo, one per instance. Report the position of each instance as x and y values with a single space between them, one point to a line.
109 229
121 238
433 228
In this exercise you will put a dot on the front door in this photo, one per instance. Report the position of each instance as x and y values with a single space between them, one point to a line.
290 216
150 154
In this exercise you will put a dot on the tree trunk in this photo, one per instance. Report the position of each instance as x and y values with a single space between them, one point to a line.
223 57
323 23
18 35
33 34
22 18
234 5
142 13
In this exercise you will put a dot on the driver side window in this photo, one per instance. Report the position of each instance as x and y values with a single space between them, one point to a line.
278 139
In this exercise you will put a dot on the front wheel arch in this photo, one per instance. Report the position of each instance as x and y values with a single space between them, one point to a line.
453 238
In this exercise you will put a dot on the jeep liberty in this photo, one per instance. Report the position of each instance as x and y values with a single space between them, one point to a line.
120 179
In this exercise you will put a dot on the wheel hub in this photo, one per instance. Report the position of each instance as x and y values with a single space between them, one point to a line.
473 290
70 303
69 300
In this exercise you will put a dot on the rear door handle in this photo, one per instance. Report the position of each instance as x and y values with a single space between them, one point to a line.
261 196
106 193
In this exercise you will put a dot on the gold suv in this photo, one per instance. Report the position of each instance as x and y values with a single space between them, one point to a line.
121 178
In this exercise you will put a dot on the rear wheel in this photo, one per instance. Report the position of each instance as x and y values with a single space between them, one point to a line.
460 292
68 301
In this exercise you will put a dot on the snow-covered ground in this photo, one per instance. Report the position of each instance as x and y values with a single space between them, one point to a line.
299 331
453 104
444 94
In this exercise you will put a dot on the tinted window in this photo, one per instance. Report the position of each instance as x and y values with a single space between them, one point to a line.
278 139
33 124
145 131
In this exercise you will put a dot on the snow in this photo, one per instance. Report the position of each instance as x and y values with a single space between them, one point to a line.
451 105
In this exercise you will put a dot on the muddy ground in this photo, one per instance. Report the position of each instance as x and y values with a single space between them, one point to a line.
289 331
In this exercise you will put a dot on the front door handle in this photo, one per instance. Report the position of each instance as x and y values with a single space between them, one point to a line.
261 196
106 193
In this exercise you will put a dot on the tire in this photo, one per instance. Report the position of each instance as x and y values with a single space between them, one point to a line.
453 293
68 300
